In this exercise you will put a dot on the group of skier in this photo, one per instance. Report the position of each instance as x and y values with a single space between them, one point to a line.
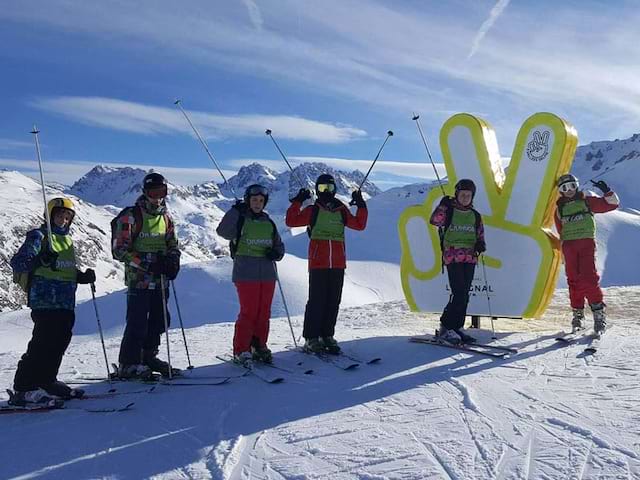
462 242
145 241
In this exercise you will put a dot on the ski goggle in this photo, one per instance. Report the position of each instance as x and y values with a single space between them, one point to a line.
568 187
156 193
326 187
257 190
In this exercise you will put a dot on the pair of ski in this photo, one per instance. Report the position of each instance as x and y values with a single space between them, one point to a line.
343 360
179 379
61 404
593 340
274 373
488 350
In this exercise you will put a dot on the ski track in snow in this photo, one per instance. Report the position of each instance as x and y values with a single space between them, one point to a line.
423 412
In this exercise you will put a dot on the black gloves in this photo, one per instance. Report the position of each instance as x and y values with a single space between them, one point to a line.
273 255
446 201
168 265
46 257
602 186
357 200
480 247
303 194
241 206
88 276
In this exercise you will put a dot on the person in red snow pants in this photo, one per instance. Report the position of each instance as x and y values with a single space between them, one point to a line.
575 222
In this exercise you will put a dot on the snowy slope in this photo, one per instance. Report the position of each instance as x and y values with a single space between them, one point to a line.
616 162
423 412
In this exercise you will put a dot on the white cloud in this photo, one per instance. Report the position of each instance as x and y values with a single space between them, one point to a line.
254 14
147 119
9 144
543 58
496 11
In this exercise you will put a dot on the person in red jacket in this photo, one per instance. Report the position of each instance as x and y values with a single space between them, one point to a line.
326 220
577 229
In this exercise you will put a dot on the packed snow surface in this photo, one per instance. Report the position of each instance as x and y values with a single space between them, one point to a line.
549 412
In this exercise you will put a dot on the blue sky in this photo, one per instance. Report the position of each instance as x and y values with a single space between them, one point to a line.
328 77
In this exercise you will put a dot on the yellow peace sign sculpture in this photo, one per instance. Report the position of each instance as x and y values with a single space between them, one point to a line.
523 256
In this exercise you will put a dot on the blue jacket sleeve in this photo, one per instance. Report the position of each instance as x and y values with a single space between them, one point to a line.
25 259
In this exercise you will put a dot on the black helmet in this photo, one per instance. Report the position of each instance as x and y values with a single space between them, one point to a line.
329 189
466 184
154 181
256 189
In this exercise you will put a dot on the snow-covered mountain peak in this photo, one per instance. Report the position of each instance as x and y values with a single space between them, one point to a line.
104 185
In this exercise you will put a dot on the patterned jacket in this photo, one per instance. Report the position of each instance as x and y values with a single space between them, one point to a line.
44 293
441 215
136 263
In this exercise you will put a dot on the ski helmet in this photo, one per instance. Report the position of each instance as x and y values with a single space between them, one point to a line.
256 189
154 182
466 184
567 178
60 203
326 185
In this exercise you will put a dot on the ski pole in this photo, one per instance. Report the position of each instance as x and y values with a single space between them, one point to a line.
104 350
184 337
268 133
486 286
389 134
35 133
166 322
284 302
416 118
205 146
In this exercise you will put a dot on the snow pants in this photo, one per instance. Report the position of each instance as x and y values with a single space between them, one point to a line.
582 276
39 366
145 324
325 294
252 325
460 279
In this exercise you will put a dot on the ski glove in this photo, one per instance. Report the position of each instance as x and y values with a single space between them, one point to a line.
240 206
446 201
47 258
602 186
168 265
303 194
357 200
88 276
480 247
273 255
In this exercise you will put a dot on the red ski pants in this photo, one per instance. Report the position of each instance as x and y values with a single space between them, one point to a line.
582 276
255 312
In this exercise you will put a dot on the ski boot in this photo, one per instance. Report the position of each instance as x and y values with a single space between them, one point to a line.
242 358
448 336
577 322
599 318
313 345
33 397
62 390
135 371
262 354
150 359
331 346
464 337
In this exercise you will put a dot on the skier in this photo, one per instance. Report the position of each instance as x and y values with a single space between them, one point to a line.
577 229
255 247
49 270
462 241
144 239
326 220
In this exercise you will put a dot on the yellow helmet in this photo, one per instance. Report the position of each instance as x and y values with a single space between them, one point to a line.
60 202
